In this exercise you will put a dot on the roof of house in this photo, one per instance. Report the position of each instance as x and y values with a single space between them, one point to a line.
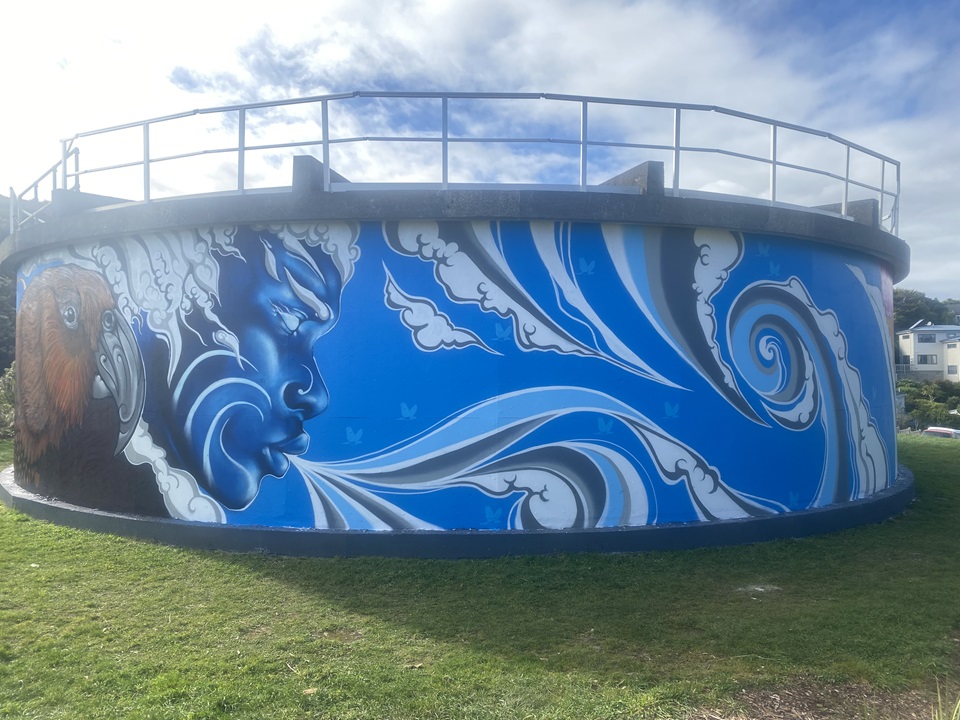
933 328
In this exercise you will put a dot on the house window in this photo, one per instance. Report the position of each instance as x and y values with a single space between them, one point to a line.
951 346
905 336
926 337
951 369
926 359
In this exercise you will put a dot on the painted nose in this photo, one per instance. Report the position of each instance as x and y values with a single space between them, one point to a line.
306 394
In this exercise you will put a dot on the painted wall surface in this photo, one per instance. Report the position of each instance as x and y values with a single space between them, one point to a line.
449 375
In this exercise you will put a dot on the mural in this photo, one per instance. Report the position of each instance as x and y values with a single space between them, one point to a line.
450 375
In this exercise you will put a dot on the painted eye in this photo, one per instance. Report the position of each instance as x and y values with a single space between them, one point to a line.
290 320
69 315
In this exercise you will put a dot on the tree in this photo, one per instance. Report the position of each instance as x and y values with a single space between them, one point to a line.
926 413
8 321
8 299
929 403
912 306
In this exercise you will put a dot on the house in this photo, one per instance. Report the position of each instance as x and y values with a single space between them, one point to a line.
929 352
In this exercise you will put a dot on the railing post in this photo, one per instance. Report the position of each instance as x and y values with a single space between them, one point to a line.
846 185
12 210
325 129
63 160
146 161
676 151
76 168
241 145
583 144
773 163
883 189
444 146
896 206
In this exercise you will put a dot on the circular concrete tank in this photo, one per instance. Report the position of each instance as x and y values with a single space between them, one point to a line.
446 371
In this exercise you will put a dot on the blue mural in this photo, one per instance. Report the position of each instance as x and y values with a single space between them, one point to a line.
482 375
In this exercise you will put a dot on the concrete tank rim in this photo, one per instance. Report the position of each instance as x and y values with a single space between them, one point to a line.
464 544
80 218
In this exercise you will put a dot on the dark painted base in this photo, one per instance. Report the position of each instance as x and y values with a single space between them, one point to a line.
463 543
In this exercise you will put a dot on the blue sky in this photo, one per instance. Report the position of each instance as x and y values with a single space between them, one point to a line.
883 74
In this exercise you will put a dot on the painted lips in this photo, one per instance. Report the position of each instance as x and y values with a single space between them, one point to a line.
295 446
277 454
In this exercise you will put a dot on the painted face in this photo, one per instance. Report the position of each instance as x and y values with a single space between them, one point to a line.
235 420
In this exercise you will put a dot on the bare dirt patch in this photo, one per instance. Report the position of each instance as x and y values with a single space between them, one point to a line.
813 701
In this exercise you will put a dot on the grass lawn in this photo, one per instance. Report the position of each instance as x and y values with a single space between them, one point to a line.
94 626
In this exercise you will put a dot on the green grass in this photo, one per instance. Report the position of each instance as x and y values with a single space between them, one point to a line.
95 626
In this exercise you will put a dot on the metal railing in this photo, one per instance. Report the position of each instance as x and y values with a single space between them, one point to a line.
26 207
676 151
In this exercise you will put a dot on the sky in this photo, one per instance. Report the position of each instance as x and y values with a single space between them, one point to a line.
883 74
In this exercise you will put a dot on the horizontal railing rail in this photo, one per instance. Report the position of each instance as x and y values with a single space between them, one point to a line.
886 189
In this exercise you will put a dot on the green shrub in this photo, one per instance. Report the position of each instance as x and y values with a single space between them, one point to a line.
8 394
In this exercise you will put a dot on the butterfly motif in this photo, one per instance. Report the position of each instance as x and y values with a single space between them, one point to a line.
408 412
672 410
353 438
605 427
586 268
493 516
504 331
794 499
774 268
763 250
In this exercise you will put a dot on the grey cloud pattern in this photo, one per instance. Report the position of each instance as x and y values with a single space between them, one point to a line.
431 329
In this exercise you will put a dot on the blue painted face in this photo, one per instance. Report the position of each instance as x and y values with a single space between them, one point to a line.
237 419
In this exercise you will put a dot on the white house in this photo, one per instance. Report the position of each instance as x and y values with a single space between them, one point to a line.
931 352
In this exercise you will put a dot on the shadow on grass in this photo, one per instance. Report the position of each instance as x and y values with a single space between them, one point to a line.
874 604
